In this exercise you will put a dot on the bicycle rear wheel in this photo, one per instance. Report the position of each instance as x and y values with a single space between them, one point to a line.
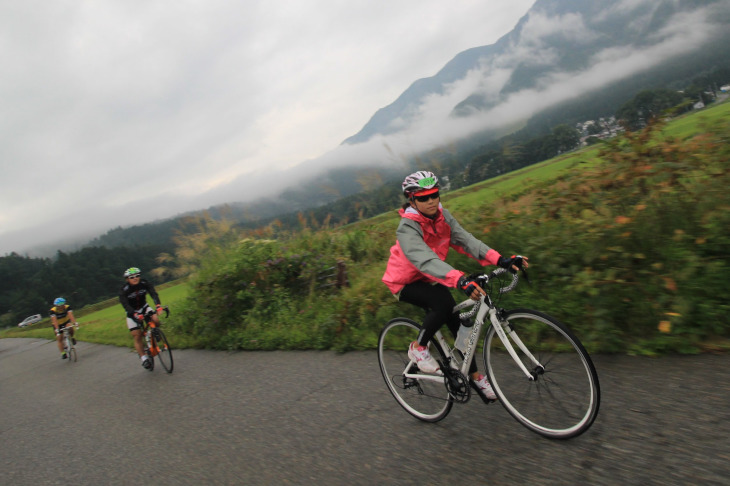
563 398
427 400
165 352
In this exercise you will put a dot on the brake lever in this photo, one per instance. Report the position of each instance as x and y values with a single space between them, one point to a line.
524 274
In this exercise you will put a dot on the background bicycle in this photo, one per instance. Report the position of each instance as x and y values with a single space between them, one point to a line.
538 368
68 344
156 344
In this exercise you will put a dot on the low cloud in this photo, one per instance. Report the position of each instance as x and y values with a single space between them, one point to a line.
434 126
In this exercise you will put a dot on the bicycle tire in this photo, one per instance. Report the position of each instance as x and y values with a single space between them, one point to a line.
426 400
151 358
72 354
165 354
563 399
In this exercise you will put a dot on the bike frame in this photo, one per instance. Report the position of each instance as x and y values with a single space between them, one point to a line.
148 324
147 329
67 344
486 308
66 331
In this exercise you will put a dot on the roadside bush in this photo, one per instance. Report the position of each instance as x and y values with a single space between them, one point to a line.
271 294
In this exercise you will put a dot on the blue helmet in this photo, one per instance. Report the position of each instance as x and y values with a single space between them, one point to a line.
59 301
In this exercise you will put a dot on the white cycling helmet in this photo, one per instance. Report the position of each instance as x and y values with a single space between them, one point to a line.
423 181
132 272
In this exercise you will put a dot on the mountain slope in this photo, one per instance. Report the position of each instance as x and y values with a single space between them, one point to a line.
559 51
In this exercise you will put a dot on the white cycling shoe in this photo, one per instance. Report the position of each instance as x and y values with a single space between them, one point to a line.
483 384
423 358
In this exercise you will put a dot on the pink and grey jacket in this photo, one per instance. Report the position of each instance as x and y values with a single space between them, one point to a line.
421 248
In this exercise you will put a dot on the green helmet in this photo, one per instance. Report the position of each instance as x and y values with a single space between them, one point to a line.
132 271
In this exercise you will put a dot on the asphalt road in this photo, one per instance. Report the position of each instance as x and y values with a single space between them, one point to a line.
325 418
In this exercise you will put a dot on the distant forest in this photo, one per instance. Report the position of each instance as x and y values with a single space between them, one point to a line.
87 276
94 273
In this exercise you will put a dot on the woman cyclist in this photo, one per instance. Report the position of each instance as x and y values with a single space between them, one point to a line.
417 273
133 297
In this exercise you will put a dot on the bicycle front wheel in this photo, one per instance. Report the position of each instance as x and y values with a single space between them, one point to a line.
560 399
426 399
150 356
165 352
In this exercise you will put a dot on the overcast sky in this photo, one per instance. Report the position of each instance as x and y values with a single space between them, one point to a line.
113 111
125 111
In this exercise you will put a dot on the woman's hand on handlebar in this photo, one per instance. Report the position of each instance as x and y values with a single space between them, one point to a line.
470 287
513 263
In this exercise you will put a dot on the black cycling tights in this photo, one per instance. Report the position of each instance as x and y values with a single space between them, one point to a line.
439 304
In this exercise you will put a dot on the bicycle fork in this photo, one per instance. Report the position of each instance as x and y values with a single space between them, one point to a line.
499 328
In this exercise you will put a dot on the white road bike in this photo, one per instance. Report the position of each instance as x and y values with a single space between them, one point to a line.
538 368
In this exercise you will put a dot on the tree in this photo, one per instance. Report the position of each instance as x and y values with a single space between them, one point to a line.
594 129
565 138
646 105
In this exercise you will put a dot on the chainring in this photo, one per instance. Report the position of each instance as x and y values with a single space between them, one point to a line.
457 384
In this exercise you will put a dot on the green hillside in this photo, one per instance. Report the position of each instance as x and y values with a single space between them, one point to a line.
628 244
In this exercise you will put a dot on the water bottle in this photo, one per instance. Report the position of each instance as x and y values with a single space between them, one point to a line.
462 338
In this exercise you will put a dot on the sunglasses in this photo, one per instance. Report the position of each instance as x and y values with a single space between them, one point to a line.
425 198
133 276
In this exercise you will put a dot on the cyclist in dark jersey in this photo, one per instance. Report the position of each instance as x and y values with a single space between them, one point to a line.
61 314
133 297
